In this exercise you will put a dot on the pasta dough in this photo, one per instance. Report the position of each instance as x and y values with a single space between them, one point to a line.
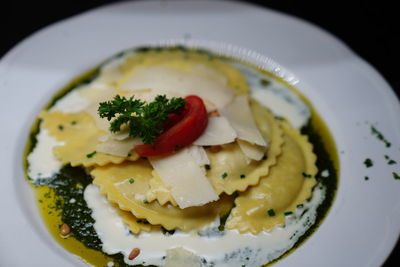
288 184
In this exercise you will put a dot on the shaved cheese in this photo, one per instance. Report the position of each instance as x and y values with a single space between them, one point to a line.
118 148
252 151
180 257
175 81
182 173
218 132
199 154
240 117
73 102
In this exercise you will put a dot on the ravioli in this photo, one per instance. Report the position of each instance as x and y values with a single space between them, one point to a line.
240 172
78 131
288 184
127 184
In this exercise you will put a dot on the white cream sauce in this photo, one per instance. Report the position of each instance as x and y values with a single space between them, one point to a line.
223 249
42 163
275 96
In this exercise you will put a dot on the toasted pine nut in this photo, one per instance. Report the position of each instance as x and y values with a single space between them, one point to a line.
134 253
214 113
215 149
65 229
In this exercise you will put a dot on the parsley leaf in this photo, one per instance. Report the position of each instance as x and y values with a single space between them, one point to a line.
144 120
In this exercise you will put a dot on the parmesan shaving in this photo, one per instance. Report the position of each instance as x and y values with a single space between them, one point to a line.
117 148
181 172
179 82
252 151
218 132
240 117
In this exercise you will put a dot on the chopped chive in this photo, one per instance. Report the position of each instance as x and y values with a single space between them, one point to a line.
224 175
131 181
60 127
208 167
391 162
396 176
74 122
300 206
368 163
366 178
306 175
271 212
288 213
242 176
90 155
129 154
145 201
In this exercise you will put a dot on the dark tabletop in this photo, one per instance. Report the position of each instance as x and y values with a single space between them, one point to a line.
370 29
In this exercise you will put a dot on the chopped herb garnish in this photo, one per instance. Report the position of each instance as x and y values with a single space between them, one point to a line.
366 178
60 127
144 120
271 212
300 206
131 181
242 176
90 155
368 163
288 213
396 176
208 167
390 161
74 122
224 175
129 154
265 82
306 175
145 201
380 136
264 157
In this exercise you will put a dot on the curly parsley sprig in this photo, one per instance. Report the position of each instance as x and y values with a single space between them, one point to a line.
143 119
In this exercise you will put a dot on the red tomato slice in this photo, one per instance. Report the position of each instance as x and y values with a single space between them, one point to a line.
183 133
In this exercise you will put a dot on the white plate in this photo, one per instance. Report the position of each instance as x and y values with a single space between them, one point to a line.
364 222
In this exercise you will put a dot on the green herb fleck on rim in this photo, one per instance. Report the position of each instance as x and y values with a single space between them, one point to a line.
131 181
90 155
271 212
224 175
380 136
366 178
368 163
396 176
264 82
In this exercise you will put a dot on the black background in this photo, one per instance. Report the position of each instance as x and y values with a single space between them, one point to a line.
370 29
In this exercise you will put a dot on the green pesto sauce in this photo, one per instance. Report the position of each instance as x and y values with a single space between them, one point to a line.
65 189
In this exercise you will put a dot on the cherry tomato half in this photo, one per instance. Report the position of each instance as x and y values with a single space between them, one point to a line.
182 133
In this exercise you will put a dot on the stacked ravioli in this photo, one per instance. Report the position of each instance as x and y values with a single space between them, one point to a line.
245 165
